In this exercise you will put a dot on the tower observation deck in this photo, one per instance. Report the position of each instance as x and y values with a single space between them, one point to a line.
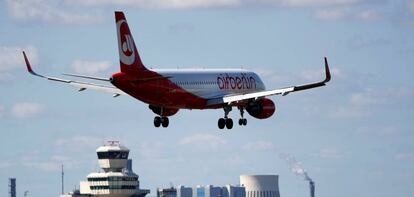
112 157
117 178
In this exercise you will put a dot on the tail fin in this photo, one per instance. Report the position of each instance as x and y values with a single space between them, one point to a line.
129 59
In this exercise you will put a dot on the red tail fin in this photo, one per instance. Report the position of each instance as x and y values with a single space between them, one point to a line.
128 53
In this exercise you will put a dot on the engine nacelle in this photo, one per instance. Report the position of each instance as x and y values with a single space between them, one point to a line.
261 109
165 111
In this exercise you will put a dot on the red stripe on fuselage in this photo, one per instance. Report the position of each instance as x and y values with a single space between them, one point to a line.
159 92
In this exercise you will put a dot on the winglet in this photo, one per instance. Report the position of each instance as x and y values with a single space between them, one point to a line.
327 72
29 67
317 84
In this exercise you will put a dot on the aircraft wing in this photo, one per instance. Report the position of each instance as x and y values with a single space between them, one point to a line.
81 85
283 91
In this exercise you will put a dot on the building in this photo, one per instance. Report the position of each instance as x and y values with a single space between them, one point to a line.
75 193
184 191
234 191
12 187
117 178
260 185
167 192
202 191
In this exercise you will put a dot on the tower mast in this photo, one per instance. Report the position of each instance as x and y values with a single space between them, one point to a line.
63 176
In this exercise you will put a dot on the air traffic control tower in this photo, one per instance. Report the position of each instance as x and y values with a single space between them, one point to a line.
117 178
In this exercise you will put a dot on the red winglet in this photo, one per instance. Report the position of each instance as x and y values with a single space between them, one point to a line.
327 72
29 67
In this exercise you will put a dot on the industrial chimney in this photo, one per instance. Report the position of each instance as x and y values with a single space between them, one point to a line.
12 187
312 188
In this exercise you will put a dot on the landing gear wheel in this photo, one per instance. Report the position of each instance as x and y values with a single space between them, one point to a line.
245 122
229 123
221 123
157 121
242 121
165 122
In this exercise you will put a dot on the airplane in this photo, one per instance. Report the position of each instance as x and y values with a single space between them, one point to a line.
166 91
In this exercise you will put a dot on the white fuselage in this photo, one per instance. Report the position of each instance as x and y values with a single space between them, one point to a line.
211 83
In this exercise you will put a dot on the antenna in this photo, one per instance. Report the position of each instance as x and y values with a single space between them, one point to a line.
63 179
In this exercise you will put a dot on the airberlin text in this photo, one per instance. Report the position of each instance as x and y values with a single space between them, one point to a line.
225 81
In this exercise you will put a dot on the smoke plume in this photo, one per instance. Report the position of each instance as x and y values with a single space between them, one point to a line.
295 166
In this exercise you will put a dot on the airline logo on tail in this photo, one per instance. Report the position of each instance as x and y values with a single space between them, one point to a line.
126 43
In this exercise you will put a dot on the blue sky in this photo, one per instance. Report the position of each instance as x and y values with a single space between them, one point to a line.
354 136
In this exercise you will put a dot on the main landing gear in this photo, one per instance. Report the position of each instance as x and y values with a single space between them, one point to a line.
228 122
159 120
225 122
242 120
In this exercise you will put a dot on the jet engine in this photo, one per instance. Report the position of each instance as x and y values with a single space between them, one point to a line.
261 109
165 111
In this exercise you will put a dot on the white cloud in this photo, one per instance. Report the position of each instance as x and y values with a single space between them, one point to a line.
11 57
153 150
410 4
33 159
312 3
53 164
90 67
47 166
5 77
1 111
26 109
369 15
315 75
364 103
194 4
359 42
346 13
259 146
350 112
330 14
180 28
48 11
159 4
367 97
379 130
330 153
404 156
203 141
272 77
79 143
5 164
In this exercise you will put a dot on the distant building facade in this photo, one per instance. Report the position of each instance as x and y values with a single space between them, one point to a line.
117 178
202 191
